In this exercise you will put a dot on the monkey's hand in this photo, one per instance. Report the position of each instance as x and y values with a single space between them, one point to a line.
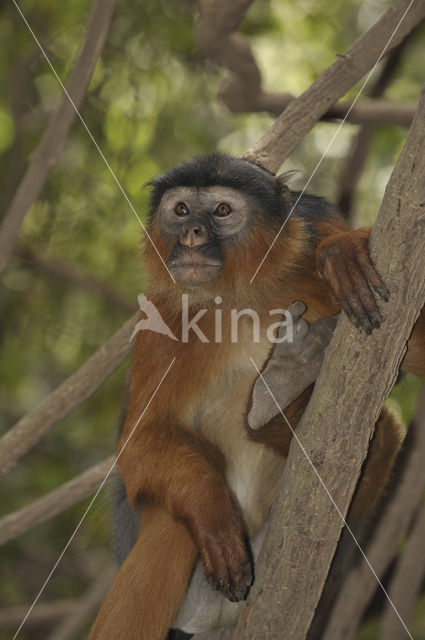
343 261
208 511
291 368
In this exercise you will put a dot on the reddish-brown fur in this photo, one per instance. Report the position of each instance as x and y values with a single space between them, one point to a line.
181 473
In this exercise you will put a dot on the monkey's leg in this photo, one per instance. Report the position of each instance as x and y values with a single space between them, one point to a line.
383 451
181 472
149 587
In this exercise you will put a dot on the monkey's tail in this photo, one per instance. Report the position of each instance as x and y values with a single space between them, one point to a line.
149 588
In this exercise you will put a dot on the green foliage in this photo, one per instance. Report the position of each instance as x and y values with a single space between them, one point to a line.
152 102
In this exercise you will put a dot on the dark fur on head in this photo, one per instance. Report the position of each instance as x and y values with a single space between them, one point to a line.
222 169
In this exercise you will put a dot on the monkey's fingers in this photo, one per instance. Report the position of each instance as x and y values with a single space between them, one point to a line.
366 296
344 261
351 295
224 553
228 567
372 276
337 285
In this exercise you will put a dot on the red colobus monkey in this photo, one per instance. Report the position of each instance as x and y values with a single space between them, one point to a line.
203 465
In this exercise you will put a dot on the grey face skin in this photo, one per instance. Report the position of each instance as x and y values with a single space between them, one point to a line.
199 220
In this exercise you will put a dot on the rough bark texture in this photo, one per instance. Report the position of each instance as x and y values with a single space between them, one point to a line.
337 426
69 395
302 114
360 585
45 156
17 523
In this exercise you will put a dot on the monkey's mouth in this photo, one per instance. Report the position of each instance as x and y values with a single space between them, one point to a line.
194 269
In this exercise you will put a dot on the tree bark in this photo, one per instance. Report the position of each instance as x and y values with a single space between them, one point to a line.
357 374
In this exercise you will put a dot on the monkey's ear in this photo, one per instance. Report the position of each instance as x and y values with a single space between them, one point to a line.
283 188
285 177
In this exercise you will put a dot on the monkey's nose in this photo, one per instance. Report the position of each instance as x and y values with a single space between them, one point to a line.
193 235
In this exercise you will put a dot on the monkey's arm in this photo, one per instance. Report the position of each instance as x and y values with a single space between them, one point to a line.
176 468
188 510
343 260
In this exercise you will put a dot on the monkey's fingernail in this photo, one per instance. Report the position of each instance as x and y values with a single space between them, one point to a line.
376 319
232 597
354 321
367 328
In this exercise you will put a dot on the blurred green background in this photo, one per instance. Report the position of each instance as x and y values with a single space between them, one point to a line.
151 103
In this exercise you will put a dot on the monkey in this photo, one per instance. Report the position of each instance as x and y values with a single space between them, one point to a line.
195 457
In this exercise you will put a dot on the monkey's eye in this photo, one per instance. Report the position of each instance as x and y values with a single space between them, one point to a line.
181 209
222 209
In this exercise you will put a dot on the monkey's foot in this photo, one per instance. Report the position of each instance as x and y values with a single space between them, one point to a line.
291 368
227 564
225 556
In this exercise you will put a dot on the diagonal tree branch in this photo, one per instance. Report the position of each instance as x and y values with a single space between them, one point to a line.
45 156
68 494
272 149
69 395
336 428
43 614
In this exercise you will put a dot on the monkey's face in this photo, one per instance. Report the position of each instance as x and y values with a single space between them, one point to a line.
198 223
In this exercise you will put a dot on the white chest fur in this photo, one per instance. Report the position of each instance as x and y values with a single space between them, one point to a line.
252 470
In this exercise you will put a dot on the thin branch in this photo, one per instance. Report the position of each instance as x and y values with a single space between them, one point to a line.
43 614
68 494
45 156
67 397
272 149
338 423
367 111
406 583
360 585
64 272
85 608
